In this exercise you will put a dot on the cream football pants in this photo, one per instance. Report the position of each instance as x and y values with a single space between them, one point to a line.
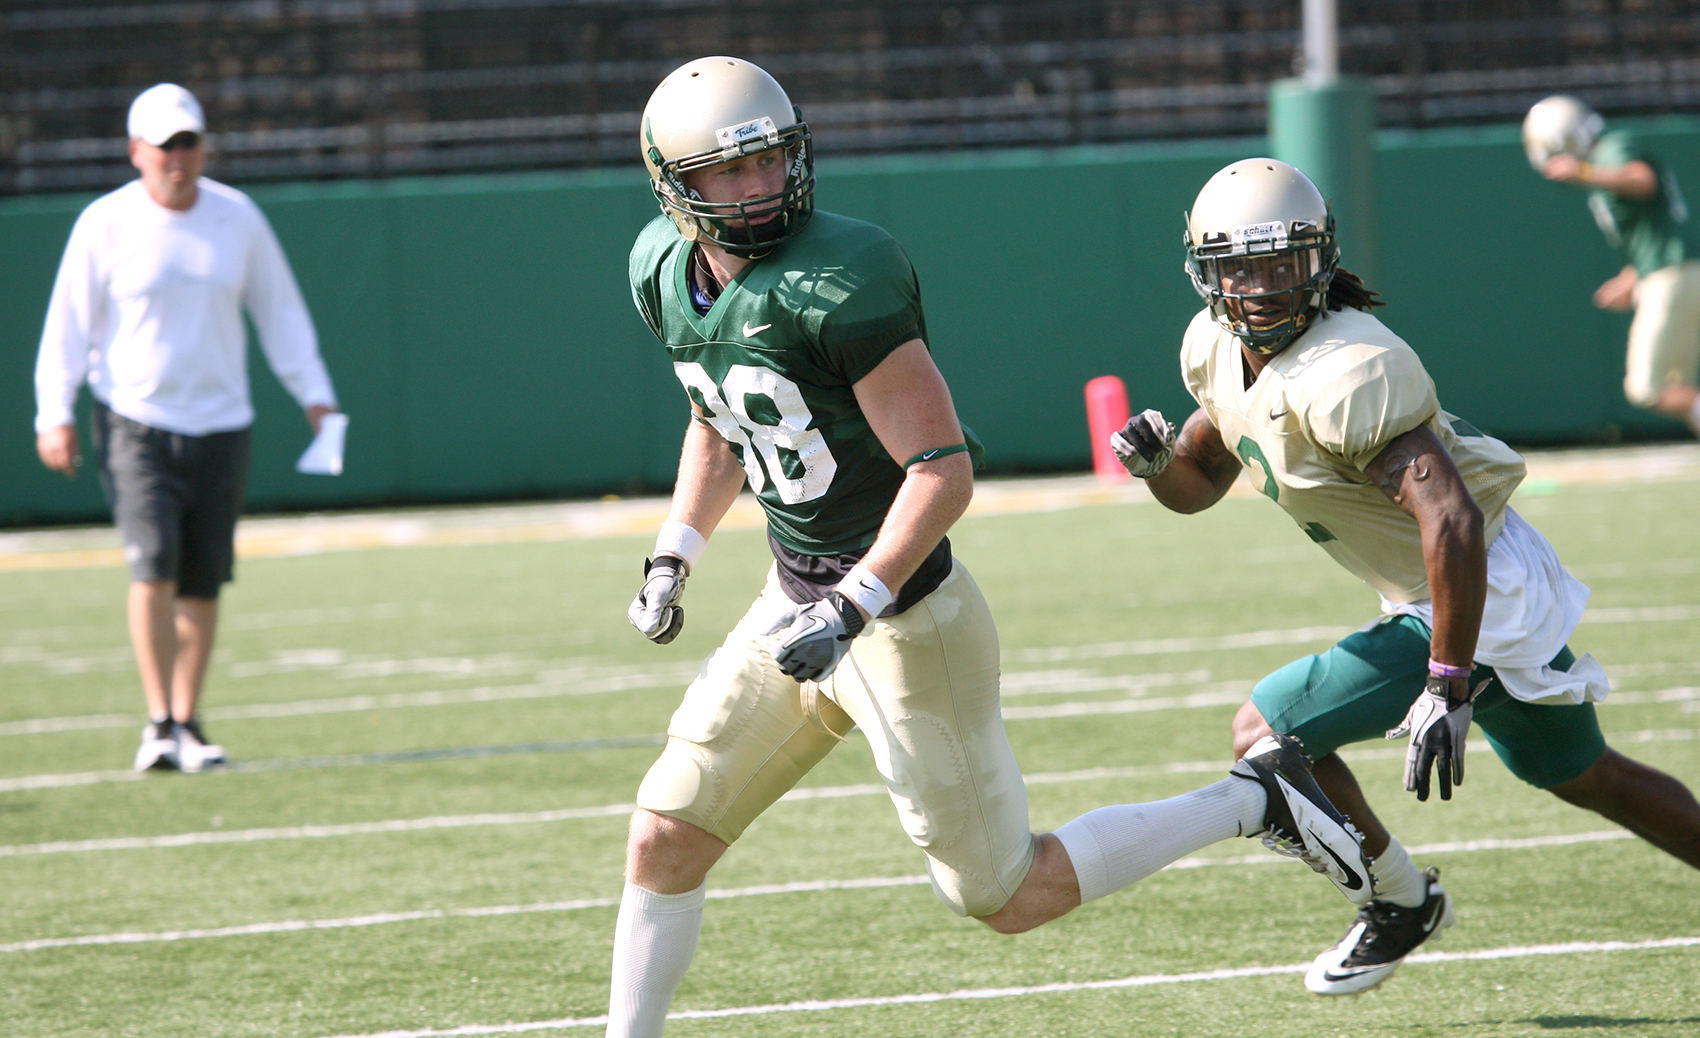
1664 338
922 686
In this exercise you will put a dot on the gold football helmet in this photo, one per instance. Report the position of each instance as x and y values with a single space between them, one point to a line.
715 110
1261 231
1560 125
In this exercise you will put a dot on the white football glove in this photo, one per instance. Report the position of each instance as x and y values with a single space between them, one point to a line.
1437 726
1146 444
656 611
811 639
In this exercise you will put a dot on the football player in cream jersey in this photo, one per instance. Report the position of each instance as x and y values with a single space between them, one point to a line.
799 339
1332 417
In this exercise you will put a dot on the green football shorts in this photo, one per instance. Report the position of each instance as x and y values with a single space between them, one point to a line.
1362 688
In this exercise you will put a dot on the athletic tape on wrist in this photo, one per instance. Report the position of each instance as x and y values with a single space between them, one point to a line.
681 540
866 590
1446 670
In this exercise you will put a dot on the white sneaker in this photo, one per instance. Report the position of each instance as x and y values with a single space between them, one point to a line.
159 746
193 751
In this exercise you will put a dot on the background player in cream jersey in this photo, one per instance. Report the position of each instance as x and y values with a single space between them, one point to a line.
799 338
1333 417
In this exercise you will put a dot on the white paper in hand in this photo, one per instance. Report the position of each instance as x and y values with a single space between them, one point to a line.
323 457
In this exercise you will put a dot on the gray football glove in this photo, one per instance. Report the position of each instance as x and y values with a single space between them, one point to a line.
656 611
1437 726
1146 444
812 638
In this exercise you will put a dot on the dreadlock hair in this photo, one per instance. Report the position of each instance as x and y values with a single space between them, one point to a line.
1347 289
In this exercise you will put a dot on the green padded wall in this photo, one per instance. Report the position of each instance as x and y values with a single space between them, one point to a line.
482 338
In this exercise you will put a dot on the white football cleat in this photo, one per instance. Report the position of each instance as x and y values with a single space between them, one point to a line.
1300 822
159 746
1383 934
193 751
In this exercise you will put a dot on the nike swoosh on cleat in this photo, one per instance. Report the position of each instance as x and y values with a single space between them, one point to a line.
1353 880
1360 971
748 331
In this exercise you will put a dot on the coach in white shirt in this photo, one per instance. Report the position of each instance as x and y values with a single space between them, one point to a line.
147 309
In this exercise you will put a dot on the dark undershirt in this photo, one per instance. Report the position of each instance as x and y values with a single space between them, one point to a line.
807 578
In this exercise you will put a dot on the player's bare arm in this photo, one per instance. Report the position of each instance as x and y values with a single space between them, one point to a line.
1202 471
1618 293
908 406
708 482
1635 180
709 479
1417 474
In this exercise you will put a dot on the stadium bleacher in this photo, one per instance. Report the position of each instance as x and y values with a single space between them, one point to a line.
317 89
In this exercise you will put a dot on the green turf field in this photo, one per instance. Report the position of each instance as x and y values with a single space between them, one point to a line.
435 750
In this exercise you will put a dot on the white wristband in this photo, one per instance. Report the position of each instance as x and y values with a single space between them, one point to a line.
683 541
866 590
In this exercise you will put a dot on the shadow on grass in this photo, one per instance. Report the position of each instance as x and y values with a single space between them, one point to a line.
1562 1023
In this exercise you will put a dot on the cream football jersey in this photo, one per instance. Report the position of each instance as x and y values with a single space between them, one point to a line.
1318 414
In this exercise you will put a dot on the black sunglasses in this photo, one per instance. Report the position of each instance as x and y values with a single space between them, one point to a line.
187 139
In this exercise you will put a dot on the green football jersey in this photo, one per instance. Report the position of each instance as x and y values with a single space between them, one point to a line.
1649 230
771 366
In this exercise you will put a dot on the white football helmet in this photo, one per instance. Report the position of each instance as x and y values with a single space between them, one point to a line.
714 110
1560 125
1261 251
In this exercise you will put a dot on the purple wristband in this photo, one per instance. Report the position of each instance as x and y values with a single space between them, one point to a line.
1444 670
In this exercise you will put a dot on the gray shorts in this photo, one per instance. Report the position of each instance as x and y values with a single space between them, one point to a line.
175 499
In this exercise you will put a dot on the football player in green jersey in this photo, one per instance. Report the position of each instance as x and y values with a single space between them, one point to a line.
1333 417
799 338
1640 209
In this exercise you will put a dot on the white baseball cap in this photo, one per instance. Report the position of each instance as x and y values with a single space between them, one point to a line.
161 112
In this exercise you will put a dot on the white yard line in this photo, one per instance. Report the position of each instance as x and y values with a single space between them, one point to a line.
641 516
974 994
1159 646
723 894
395 825
610 679
314 832
591 680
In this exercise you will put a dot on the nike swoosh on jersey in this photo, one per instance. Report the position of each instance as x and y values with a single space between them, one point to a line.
1353 880
1284 412
748 331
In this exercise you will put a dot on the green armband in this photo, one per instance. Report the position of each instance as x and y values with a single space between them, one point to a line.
936 452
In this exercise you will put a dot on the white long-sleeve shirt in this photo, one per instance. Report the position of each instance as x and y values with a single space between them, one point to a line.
147 308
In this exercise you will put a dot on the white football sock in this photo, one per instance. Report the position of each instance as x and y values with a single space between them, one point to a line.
1115 847
1396 878
655 938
